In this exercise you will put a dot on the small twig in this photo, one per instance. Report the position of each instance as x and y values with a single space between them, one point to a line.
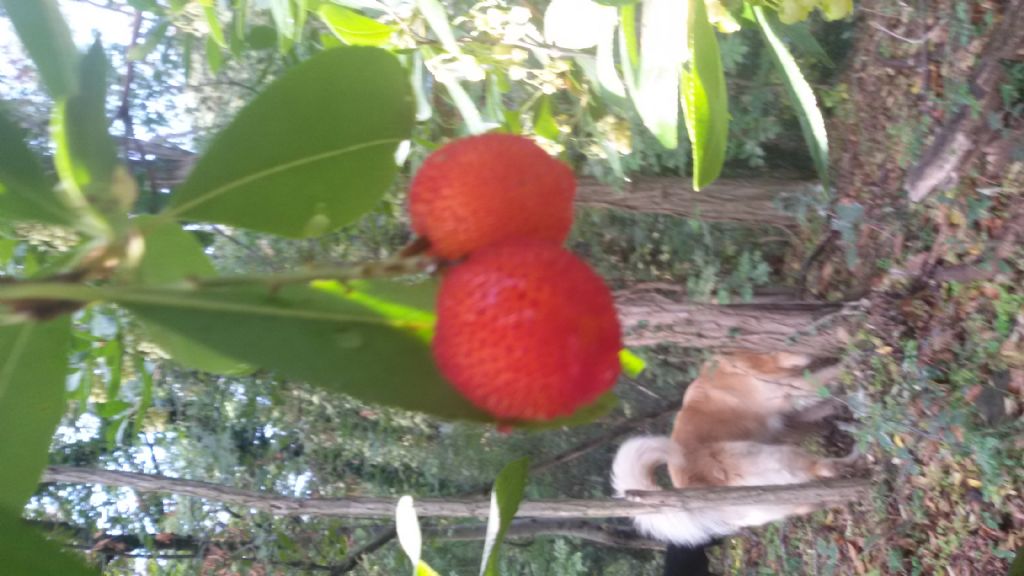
353 560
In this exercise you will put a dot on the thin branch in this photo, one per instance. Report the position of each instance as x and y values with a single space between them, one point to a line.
829 491
356 556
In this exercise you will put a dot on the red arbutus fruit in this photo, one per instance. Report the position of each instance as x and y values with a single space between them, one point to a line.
476 191
527 331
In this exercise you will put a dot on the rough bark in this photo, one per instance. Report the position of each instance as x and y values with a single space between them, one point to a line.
753 201
650 318
961 138
728 200
826 492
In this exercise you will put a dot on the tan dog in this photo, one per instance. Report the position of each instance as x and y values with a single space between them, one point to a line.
740 425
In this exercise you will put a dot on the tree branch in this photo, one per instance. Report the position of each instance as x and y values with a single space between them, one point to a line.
825 492
814 328
755 201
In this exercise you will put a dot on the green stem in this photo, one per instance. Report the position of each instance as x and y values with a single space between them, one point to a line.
184 299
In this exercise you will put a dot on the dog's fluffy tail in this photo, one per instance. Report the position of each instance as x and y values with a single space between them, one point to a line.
634 468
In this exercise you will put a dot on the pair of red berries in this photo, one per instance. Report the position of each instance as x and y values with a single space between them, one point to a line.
525 329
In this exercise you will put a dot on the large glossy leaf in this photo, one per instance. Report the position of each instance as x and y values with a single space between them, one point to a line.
33 366
47 39
26 552
505 499
26 193
371 345
800 93
171 255
705 101
311 153
353 28
663 50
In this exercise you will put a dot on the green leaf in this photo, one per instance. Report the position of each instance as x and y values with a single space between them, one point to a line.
799 35
47 39
705 101
27 552
26 193
239 23
85 155
172 255
423 569
311 153
216 31
353 28
616 3
284 21
663 50
801 95
437 18
33 365
424 109
544 122
505 499
113 356
214 56
630 50
343 340
632 365
146 398
261 37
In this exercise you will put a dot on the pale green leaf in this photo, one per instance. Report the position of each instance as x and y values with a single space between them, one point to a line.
353 28
505 498
544 121
437 18
705 101
812 123
663 50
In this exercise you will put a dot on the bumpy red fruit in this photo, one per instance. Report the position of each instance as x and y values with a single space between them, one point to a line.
527 331
480 190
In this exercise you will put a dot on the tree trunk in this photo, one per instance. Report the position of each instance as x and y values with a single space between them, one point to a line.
649 318
736 200
752 201
826 492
